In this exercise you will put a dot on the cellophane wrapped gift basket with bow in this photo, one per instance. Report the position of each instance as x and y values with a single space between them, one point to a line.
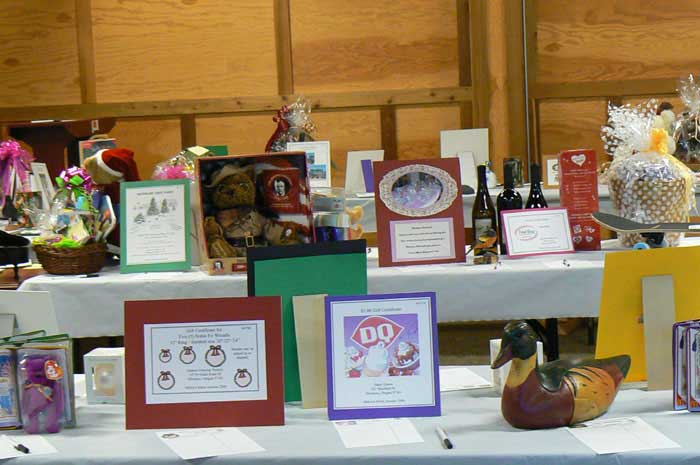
647 183
71 242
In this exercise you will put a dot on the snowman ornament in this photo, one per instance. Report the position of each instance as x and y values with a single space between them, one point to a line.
215 356
187 355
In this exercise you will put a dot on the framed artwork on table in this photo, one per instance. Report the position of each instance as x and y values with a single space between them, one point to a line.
318 157
155 226
43 182
200 363
382 356
420 219
88 148
551 171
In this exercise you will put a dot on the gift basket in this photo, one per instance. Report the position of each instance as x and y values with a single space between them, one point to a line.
647 184
71 241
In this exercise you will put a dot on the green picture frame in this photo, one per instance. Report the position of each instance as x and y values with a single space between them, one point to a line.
168 211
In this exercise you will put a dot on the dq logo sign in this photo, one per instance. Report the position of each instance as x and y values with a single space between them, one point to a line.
374 329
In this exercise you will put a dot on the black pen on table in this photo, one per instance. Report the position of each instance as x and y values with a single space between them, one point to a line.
20 447
444 438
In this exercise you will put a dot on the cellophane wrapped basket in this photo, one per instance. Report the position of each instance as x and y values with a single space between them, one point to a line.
646 183
87 259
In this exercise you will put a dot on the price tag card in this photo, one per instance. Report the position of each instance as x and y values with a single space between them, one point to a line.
537 232
382 356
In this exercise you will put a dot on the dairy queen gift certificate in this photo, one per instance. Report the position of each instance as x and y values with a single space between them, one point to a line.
382 356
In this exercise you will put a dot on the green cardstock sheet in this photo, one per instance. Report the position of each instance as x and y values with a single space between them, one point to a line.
334 274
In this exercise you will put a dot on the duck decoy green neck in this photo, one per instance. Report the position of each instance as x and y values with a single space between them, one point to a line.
519 341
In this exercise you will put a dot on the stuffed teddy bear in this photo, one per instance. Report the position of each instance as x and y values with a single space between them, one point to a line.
236 223
41 397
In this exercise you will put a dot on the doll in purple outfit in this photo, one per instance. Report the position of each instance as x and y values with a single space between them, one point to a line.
41 396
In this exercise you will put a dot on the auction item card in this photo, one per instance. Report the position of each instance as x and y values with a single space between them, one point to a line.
155 226
419 212
199 363
382 356
537 231
578 190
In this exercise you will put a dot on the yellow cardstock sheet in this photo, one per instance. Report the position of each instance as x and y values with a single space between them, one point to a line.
310 326
621 327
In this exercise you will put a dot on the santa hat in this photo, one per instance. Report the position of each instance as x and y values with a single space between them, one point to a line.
118 163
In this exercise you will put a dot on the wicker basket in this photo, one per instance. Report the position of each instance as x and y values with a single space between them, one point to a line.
84 260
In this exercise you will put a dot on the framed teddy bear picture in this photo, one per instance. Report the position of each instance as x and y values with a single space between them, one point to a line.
251 201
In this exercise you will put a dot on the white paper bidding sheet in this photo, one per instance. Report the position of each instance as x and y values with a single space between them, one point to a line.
155 224
205 362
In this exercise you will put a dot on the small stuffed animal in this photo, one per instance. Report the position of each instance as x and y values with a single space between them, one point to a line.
41 396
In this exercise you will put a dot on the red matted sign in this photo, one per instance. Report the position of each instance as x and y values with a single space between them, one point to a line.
420 219
578 190
199 363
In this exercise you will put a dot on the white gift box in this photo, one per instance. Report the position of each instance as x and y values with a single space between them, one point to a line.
104 375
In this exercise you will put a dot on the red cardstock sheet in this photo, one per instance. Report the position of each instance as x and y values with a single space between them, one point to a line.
421 211
140 415
578 190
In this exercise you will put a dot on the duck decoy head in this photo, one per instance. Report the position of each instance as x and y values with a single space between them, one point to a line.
519 340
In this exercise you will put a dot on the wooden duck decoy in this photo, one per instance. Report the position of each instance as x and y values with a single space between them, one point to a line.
558 393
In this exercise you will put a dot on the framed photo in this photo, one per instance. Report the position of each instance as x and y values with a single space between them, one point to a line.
539 231
551 171
419 212
44 183
318 157
155 226
197 363
382 356
88 148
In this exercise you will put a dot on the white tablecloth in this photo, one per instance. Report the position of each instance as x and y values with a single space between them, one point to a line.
534 287
472 419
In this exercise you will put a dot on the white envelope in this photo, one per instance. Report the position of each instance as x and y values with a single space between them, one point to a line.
354 177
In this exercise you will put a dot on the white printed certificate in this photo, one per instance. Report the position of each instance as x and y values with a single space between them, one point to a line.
537 231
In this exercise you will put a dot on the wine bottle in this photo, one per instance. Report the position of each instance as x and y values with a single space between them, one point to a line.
484 217
509 199
536 198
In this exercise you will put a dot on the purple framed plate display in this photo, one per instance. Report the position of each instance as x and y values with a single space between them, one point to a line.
382 356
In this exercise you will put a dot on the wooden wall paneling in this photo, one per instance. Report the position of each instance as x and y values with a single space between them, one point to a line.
242 133
347 131
188 131
152 140
479 62
419 130
330 101
39 53
464 40
283 45
86 51
389 132
515 85
603 40
183 49
572 124
374 44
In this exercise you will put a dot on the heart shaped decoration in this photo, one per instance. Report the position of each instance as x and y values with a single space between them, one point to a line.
579 159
